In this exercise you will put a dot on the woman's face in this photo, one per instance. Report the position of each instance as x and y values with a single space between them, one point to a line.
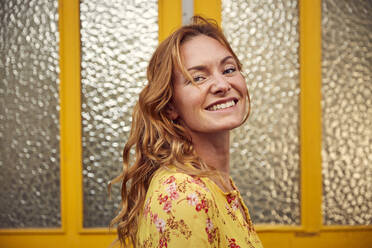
218 99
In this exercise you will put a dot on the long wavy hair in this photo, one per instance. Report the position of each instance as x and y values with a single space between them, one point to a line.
157 140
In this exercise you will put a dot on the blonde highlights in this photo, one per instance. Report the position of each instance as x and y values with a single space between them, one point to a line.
156 139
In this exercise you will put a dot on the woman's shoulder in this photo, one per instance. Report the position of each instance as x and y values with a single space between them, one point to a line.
174 191
169 176
169 181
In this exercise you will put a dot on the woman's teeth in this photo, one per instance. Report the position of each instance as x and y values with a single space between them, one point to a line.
222 105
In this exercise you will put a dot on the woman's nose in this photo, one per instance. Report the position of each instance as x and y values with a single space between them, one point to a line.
220 84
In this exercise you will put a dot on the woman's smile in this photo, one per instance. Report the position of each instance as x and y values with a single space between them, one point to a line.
222 105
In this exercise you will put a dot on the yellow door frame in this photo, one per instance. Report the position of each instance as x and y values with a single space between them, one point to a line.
311 232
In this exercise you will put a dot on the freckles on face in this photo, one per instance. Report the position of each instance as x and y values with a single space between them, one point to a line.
188 98
216 99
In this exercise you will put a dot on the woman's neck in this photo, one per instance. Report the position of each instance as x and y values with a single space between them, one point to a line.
214 150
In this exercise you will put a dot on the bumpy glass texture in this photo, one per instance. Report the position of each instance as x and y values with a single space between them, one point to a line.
265 150
29 118
347 112
117 39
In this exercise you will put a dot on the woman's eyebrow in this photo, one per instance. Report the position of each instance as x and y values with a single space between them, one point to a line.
226 58
197 68
203 67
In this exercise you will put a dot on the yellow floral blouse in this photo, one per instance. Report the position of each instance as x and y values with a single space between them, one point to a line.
184 211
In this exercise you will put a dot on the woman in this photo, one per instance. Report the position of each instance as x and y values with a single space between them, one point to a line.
176 191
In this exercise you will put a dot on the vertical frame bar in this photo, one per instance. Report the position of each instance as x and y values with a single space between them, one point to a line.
71 151
208 9
170 17
310 114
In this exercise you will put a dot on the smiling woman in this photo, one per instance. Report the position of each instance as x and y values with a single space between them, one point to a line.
177 190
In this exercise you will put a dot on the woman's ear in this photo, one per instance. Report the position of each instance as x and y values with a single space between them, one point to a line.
171 112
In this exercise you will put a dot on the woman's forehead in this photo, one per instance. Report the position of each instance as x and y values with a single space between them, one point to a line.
202 50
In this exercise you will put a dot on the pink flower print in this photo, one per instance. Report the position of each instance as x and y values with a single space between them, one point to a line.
210 231
202 205
198 207
199 182
230 198
210 237
167 206
209 226
163 242
162 199
172 190
169 180
235 205
174 195
232 243
192 199
172 187
154 217
233 201
160 224
147 208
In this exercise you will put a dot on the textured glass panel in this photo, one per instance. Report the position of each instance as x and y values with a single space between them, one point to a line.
118 39
265 150
347 112
29 119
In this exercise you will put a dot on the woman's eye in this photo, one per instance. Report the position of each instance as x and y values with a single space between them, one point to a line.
229 70
198 79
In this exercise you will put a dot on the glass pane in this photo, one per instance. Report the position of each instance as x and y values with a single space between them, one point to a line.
347 112
29 116
265 150
118 39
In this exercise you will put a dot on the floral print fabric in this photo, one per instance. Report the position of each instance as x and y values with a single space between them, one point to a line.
184 211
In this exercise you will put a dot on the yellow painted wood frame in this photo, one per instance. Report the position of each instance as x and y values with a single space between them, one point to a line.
311 232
